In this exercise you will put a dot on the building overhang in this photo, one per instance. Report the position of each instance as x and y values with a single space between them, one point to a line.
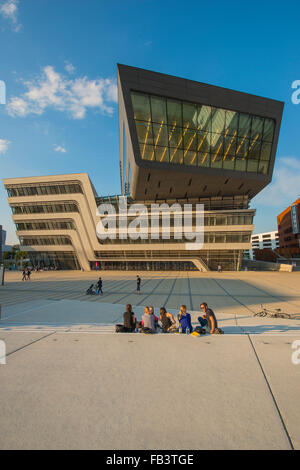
160 179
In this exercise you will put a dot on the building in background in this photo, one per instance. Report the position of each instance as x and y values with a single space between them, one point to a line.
289 230
181 142
1 242
261 241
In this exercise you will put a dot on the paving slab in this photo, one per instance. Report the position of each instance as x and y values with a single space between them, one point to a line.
14 342
283 376
120 392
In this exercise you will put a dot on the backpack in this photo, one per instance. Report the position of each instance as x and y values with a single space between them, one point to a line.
200 330
120 329
147 331
218 331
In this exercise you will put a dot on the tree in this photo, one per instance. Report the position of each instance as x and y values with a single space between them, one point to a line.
21 255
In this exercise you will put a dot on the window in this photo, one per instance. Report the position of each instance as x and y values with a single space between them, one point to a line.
44 190
179 132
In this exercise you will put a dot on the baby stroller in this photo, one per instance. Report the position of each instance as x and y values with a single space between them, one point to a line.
91 290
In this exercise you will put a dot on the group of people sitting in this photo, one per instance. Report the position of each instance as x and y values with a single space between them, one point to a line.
166 322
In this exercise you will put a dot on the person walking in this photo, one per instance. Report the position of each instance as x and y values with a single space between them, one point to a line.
138 284
24 275
208 319
28 274
99 286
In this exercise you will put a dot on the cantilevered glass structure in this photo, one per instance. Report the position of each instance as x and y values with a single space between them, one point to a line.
179 132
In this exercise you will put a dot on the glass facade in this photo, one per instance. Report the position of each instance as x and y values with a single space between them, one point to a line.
209 237
44 208
53 260
45 241
44 190
46 225
229 259
178 132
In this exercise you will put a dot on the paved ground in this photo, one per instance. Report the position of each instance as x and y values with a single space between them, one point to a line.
70 383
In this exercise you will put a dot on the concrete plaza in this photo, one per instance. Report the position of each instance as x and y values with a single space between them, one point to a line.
71 383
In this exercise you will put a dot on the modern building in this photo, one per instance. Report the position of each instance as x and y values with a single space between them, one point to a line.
289 230
181 142
2 241
260 241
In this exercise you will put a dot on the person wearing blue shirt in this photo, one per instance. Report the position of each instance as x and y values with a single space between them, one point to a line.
184 319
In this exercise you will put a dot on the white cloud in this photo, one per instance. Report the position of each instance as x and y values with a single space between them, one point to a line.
4 145
285 187
9 10
69 67
58 148
52 90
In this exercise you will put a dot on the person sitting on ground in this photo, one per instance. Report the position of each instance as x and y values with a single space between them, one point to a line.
184 319
208 319
148 321
167 320
129 319
151 310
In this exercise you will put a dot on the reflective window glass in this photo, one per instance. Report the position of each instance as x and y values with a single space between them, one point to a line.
216 160
147 152
244 125
242 147
174 131
174 113
141 106
160 135
269 127
257 128
159 110
190 158
217 142
229 147
162 154
203 144
218 120
266 151
190 140
204 118
203 159
231 123
176 156
175 136
240 164
263 167
254 150
144 132
228 163
252 166
190 115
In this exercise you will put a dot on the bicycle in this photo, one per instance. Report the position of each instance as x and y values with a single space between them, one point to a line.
275 313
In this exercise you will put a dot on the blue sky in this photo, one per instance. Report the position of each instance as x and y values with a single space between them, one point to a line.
58 60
